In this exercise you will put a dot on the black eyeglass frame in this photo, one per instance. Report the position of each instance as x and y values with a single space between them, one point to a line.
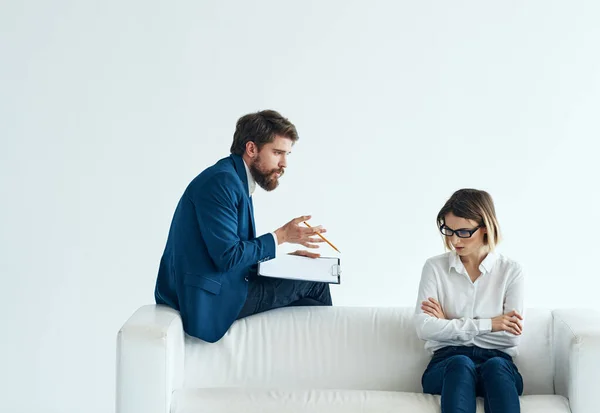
455 231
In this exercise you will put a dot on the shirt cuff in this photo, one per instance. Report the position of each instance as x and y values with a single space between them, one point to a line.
276 243
484 325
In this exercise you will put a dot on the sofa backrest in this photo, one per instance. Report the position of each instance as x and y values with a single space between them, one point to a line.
341 348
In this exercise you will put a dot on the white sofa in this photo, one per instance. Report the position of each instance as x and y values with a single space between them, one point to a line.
335 359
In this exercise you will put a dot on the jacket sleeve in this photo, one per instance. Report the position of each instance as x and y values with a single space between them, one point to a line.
216 207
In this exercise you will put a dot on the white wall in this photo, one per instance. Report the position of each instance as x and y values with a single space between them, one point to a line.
109 109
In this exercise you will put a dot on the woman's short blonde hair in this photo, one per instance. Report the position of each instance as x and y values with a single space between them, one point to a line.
475 205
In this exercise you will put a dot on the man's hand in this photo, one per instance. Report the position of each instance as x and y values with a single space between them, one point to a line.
510 322
433 308
303 253
293 233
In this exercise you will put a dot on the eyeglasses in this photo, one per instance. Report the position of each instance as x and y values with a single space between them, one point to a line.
460 233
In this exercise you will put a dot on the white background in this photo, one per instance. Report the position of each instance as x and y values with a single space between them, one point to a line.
109 109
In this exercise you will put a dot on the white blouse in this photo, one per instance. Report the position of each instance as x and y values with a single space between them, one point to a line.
469 306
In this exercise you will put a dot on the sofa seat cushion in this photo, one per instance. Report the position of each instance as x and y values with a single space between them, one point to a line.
251 400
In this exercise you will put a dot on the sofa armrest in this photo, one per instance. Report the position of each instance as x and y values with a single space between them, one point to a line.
150 353
577 358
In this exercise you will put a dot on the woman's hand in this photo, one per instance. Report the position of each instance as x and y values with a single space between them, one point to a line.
433 308
510 322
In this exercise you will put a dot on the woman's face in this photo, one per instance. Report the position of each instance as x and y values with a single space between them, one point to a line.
465 246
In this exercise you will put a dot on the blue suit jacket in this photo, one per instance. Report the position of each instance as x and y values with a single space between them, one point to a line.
211 251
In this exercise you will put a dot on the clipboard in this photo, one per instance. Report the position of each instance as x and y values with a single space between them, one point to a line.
295 267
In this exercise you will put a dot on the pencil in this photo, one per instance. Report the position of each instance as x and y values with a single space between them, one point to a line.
323 238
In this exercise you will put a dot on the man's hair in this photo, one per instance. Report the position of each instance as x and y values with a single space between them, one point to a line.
261 128
476 205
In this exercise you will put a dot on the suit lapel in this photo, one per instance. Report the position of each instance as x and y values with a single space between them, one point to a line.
240 168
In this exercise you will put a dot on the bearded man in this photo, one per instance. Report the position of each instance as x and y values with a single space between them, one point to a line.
208 268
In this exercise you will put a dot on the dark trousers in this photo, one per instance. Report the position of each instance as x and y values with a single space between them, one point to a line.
461 373
266 293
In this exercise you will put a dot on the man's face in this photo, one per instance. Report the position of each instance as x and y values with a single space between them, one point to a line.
269 164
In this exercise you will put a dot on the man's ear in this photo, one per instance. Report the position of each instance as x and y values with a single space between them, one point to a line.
251 149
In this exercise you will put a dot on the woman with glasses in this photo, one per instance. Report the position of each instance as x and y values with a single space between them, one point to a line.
469 311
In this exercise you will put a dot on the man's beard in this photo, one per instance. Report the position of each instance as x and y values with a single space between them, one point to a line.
266 181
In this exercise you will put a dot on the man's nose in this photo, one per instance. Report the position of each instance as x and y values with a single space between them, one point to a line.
283 162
